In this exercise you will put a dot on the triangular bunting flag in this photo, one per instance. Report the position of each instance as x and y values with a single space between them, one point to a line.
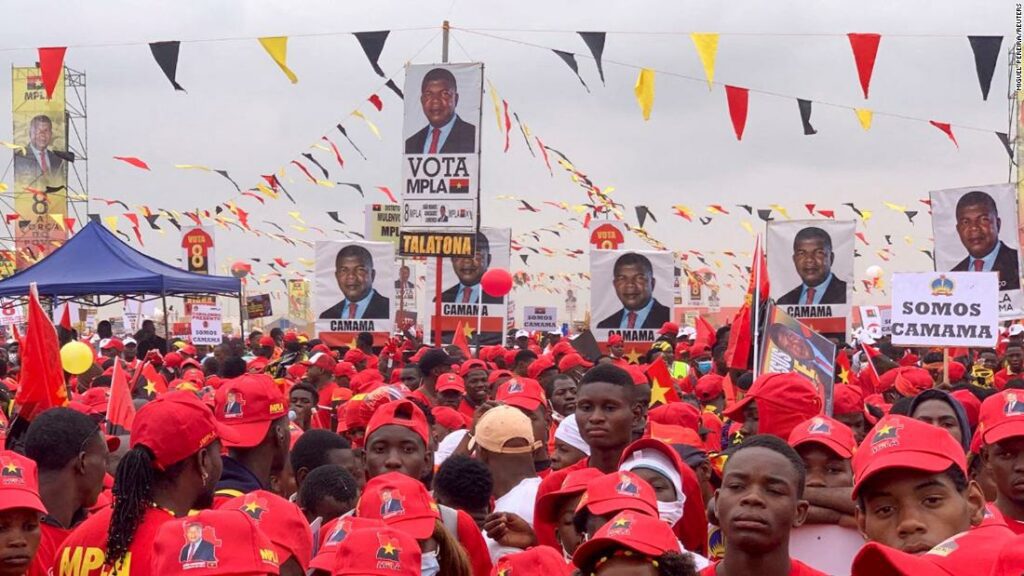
224 173
642 212
51 66
166 56
570 60
595 41
707 49
865 48
945 127
986 54
373 45
644 91
394 88
277 47
864 116
1004 138
737 99
805 116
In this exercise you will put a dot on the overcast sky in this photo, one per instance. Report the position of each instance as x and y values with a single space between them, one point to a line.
242 115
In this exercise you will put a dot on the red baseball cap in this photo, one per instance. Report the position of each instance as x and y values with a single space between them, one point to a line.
402 502
176 425
296 372
830 433
619 491
334 533
172 360
671 434
195 376
539 365
96 399
213 542
188 349
470 365
969 552
573 360
19 482
257 365
281 521
1001 417
971 404
646 535
354 356
344 369
573 483
108 343
495 375
677 414
562 347
847 399
709 387
448 417
249 404
400 413
668 328
267 341
321 360
901 442
783 401
378 552
291 337
614 339
450 381
525 393
537 560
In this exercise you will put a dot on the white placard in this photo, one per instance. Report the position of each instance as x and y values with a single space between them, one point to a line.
945 309
540 318
206 325
11 313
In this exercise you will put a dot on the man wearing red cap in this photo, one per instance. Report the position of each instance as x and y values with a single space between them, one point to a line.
615 347
775 404
20 513
711 393
214 542
478 390
255 408
848 408
574 365
1001 438
450 389
164 475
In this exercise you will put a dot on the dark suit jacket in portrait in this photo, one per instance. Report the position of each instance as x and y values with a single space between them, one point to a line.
834 294
658 315
450 294
204 553
461 139
376 310
1006 264
26 166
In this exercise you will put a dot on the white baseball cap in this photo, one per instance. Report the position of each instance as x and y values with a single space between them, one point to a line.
1016 330
522 334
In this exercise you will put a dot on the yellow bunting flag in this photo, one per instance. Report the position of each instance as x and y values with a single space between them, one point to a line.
497 106
59 219
644 91
297 217
192 167
277 47
747 226
707 49
111 222
864 116
373 127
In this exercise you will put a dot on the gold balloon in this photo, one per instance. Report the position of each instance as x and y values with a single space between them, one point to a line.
76 357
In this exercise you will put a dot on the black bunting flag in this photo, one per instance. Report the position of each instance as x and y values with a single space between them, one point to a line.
334 216
373 45
805 116
224 173
595 41
1005 139
642 212
166 56
765 214
570 60
309 157
986 53
345 134
394 88
357 187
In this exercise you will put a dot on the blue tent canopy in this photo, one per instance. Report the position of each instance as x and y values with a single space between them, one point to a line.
94 262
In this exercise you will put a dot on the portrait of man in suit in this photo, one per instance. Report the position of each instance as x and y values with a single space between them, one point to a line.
633 280
233 406
353 270
813 259
445 132
38 161
470 271
196 549
978 224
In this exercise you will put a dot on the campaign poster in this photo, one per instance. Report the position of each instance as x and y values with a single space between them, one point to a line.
630 293
258 306
462 297
540 318
949 309
810 263
206 325
441 159
298 300
40 165
790 346
405 291
986 240
197 249
353 288
382 222
607 234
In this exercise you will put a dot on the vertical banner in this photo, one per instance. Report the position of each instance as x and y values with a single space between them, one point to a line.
298 300
985 221
791 347
382 222
462 297
441 162
630 293
810 263
352 294
197 249
40 165
694 290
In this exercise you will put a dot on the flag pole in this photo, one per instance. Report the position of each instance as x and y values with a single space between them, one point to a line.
757 302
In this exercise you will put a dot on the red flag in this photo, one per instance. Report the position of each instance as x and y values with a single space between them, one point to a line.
133 161
705 333
51 65
947 129
872 374
737 98
760 262
120 409
865 48
154 381
663 389
65 318
737 355
41 380
459 339
376 101
844 374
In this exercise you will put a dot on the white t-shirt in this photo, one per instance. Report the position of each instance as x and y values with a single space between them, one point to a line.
518 501
825 547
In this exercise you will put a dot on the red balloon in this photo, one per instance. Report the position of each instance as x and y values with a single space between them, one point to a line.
241 269
496 282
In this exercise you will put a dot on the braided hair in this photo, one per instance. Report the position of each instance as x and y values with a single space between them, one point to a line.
134 481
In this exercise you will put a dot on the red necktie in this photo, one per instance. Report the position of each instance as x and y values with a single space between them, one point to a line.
809 299
351 309
434 137
43 165
631 320
466 293
979 265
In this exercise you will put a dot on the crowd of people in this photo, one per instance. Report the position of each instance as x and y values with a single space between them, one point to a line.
279 454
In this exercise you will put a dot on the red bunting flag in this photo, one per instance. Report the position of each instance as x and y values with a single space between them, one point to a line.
459 340
376 101
544 152
508 124
133 161
830 214
810 208
387 192
304 171
51 65
737 98
337 154
41 380
947 129
865 48
65 317
120 409
663 389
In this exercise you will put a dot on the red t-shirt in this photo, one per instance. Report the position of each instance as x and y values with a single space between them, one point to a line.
472 541
84 551
50 539
796 568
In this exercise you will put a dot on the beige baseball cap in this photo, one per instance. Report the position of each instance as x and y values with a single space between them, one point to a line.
501 425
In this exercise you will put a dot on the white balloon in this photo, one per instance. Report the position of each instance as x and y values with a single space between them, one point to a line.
873 271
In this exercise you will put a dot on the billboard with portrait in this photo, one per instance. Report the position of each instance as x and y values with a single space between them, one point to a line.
789 346
462 297
354 285
984 219
631 293
810 263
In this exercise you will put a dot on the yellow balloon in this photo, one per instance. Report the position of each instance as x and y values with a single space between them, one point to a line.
76 357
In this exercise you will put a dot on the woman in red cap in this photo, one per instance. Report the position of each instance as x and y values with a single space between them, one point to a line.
20 512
